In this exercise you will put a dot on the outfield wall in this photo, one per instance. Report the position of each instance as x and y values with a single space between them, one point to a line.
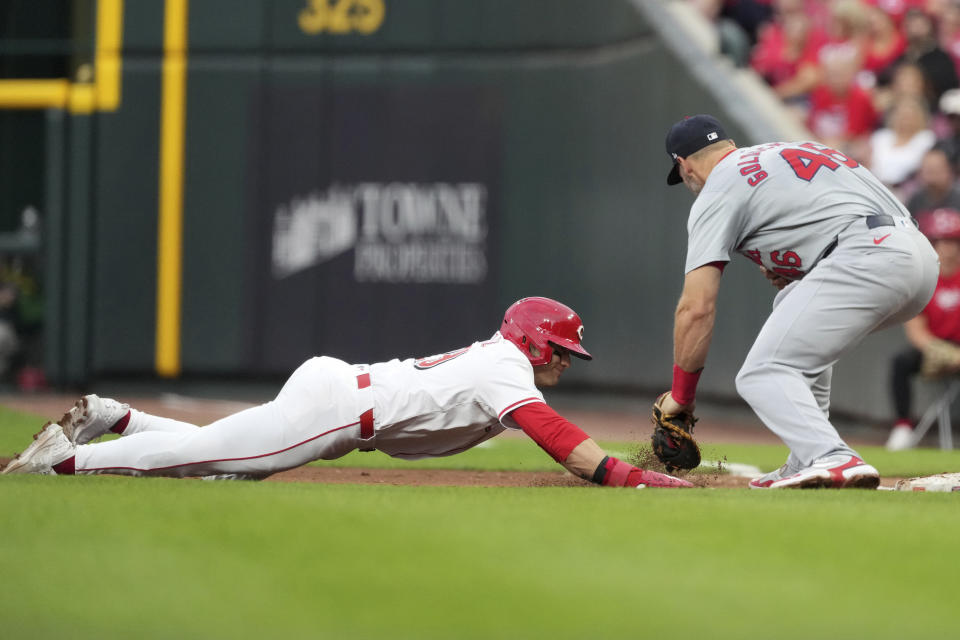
278 180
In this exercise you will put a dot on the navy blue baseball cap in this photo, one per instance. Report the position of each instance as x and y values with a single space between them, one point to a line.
689 136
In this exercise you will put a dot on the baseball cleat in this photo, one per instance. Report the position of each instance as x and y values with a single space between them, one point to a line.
91 417
901 438
764 481
835 471
49 447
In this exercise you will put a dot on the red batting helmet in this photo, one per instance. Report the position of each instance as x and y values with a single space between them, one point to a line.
543 323
942 224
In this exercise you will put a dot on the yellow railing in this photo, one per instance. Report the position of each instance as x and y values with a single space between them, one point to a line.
102 94
170 225
98 89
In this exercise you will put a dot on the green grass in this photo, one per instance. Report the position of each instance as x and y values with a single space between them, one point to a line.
103 557
156 558
16 428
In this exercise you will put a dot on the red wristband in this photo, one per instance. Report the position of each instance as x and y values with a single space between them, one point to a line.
684 387
615 472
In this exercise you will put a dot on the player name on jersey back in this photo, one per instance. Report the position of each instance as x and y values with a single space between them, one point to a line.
782 205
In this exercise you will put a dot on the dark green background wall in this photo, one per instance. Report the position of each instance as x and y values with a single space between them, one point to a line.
586 93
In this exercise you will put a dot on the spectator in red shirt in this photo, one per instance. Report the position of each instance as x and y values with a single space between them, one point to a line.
841 112
940 320
786 54
885 43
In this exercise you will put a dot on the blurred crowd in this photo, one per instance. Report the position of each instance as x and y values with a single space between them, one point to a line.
876 79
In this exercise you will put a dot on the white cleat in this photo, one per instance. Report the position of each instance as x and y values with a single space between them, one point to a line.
49 447
91 417
839 471
901 438
764 481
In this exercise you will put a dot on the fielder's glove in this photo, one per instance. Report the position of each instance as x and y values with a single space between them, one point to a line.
672 438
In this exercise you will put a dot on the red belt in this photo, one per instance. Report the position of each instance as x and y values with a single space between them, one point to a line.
366 418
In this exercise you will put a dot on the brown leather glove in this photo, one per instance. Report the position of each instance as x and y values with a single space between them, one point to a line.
672 438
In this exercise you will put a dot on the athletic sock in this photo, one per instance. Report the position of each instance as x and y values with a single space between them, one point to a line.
67 467
121 424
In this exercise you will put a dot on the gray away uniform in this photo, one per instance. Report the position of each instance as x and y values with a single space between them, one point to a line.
857 261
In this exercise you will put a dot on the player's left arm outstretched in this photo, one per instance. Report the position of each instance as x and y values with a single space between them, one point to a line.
569 445
547 333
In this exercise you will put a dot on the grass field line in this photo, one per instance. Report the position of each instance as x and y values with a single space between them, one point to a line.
738 469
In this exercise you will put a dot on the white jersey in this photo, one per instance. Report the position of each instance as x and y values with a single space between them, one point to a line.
447 403
782 205
422 407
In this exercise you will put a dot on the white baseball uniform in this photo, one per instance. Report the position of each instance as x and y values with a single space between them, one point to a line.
858 263
413 408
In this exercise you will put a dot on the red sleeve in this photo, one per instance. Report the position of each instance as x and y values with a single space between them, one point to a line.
766 54
863 117
819 100
555 434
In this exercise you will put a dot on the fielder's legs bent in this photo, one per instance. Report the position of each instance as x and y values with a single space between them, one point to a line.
821 391
314 416
855 291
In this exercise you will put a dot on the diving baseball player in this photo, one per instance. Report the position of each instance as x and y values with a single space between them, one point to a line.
415 408
846 257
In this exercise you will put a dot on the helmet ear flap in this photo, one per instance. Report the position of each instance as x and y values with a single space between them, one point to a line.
536 353
539 354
